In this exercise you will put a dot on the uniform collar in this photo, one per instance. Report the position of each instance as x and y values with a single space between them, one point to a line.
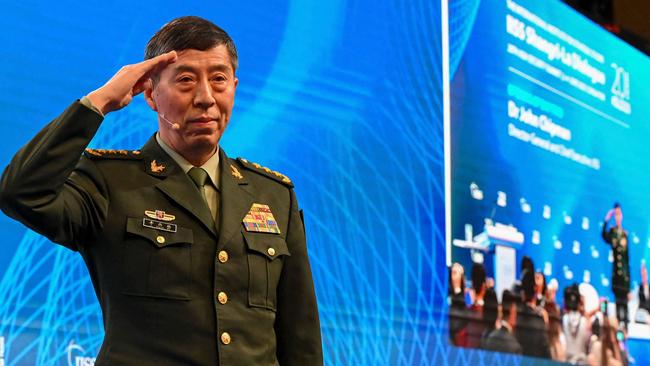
175 183
211 166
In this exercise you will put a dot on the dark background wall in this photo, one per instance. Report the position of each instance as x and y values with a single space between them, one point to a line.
628 19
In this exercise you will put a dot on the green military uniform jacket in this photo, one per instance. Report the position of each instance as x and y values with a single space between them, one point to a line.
621 265
174 287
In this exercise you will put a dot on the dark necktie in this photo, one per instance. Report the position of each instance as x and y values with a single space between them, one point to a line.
199 177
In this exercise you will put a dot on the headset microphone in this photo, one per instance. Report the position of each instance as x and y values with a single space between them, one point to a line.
175 126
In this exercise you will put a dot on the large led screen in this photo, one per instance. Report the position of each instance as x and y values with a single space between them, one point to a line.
344 97
548 130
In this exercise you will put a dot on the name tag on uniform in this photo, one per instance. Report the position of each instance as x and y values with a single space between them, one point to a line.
159 225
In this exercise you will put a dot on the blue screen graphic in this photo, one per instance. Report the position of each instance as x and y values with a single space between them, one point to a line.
548 128
343 97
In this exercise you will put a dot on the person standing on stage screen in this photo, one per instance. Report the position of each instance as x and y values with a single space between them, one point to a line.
616 237
196 258
644 289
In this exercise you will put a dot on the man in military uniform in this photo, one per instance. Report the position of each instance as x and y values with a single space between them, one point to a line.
616 237
196 258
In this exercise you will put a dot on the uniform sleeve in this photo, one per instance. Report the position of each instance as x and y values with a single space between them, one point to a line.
50 188
297 325
605 234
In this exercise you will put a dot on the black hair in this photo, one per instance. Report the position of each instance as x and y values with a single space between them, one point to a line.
572 297
527 264
490 308
528 284
507 299
478 276
190 32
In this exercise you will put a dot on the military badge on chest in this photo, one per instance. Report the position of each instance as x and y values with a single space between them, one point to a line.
160 220
260 219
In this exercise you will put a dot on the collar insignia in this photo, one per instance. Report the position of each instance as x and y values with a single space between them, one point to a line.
156 168
235 173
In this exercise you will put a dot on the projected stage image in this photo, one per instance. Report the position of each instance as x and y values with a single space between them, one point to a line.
548 137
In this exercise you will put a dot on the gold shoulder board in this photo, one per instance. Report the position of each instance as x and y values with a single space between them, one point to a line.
275 175
112 154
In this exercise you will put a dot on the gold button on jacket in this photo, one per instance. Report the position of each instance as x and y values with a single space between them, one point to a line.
225 338
223 256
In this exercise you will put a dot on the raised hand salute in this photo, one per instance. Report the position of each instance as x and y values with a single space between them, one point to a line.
196 258
128 82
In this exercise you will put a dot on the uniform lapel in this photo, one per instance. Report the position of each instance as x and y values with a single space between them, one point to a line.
175 183
236 199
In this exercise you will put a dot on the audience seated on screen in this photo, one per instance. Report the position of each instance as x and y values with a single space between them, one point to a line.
540 289
605 350
531 328
490 313
551 292
576 327
476 325
502 338
458 312
556 340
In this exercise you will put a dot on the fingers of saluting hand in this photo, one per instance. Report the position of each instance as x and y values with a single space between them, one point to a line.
162 59
138 73
128 82
146 69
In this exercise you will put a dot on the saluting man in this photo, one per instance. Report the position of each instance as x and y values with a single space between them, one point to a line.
196 258
616 237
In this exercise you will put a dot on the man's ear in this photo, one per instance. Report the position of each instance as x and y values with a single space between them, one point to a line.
148 95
